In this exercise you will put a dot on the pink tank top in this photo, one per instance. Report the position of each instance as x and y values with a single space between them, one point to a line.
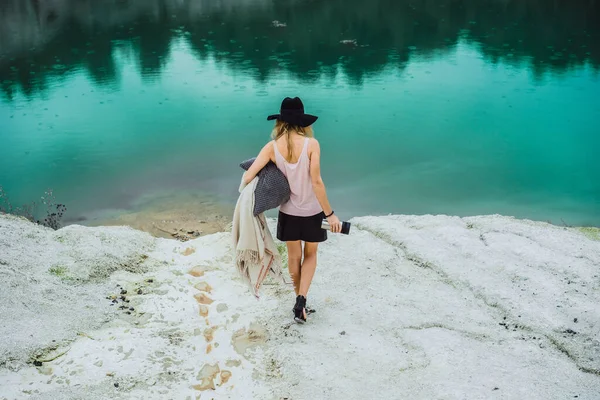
303 202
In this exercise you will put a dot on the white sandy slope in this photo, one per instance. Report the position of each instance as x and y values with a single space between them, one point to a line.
430 307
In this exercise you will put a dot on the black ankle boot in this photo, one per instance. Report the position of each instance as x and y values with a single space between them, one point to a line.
299 310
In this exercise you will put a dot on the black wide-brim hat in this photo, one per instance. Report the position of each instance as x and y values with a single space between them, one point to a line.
292 112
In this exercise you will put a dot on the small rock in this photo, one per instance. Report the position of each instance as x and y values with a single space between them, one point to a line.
278 24
139 291
98 363
150 280
37 363
496 388
123 291
116 384
342 333
575 320
131 309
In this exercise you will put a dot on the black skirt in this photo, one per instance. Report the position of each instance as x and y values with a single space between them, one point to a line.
308 229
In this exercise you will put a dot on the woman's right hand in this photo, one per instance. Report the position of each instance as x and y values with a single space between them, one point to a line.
334 223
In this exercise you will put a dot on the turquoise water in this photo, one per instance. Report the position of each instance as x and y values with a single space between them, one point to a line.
454 107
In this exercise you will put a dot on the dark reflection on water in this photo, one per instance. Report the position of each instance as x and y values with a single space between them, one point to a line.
42 42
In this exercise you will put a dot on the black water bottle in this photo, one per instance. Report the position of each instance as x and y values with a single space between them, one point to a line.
345 226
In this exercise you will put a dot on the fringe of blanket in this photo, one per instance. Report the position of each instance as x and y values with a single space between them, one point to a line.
247 259
244 257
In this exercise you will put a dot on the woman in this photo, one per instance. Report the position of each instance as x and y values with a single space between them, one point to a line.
298 156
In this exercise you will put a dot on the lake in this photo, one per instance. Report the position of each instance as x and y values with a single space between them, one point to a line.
459 107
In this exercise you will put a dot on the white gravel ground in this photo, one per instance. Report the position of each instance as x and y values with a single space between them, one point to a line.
429 307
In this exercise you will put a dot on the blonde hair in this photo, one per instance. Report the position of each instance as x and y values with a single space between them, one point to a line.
285 128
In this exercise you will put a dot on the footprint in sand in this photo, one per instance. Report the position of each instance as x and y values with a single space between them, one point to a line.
203 311
222 307
209 333
208 377
203 287
202 298
189 251
225 375
233 363
196 271
243 339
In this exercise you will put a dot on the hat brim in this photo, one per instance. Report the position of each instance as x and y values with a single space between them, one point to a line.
302 120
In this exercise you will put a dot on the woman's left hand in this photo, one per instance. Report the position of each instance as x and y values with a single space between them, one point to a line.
334 223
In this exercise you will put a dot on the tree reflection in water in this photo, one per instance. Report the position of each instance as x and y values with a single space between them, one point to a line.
45 41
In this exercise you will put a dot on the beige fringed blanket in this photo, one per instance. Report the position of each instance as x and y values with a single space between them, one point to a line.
255 251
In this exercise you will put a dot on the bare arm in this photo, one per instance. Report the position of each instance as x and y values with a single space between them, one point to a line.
265 155
314 152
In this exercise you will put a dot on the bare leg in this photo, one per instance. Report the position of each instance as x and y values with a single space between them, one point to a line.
294 262
309 265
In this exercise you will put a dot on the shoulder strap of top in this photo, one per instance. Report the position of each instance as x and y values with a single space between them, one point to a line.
305 148
278 157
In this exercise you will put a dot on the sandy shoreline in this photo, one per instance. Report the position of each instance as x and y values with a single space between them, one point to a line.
182 215
407 307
